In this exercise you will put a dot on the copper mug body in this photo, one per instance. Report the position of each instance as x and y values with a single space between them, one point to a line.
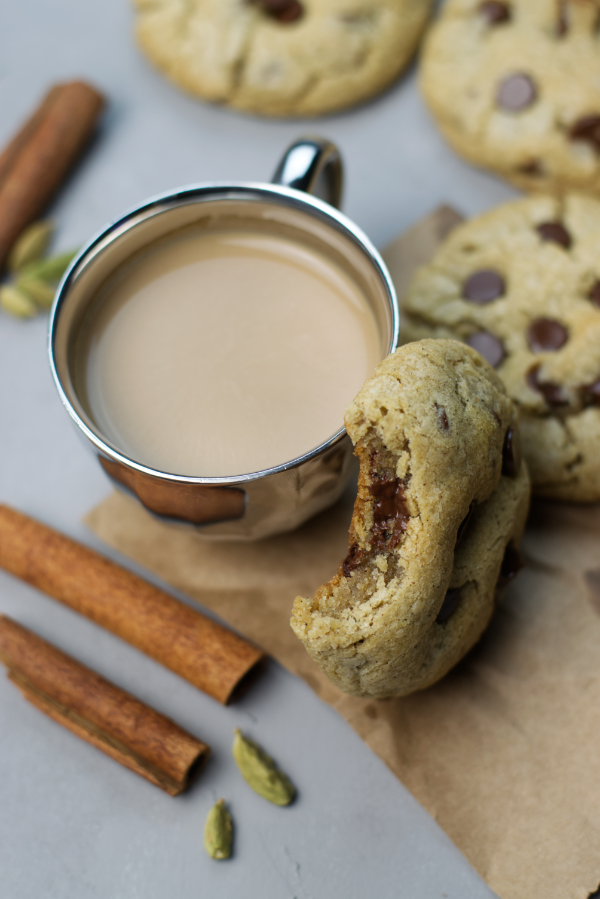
280 498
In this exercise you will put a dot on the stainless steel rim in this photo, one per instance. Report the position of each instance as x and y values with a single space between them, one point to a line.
197 193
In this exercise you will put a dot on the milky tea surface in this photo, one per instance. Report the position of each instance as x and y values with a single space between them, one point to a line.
225 353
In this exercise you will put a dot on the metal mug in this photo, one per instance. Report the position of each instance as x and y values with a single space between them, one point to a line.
278 499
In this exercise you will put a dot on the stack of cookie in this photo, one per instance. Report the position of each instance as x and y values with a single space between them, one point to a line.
514 85
521 284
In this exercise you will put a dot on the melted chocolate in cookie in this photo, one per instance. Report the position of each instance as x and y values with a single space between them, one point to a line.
490 347
511 453
494 12
352 560
546 334
449 605
390 515
587 128
552 393
516 92
555 232
484 286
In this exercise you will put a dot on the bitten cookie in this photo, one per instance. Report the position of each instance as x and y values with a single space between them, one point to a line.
521 284
514 86
281 57
441 507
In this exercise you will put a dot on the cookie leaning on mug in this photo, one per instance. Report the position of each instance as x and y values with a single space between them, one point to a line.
441 507
521 284
281 57
514 85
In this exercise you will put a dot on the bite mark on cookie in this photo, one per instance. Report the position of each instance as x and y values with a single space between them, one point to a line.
431 520
390 513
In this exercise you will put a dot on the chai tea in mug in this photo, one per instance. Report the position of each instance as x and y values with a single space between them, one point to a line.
224 351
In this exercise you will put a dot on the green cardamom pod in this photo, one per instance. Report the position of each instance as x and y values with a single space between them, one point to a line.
30 245
218 831
16 302
260 771
51 269
41 292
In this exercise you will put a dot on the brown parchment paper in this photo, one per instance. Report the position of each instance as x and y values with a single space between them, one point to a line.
505 751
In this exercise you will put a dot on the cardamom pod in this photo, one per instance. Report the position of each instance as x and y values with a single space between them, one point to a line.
30 245
218 832
41 292
260 771
51 269
16 302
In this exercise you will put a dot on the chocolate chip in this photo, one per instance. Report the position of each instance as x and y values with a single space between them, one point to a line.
546 334
562 26
489 346
352 560
442 418
511 453
509 569
449 605
464 524
495 12
587 128
390 515
283 10
516 92
554 232
533 168
484 286
511 563
594 294
552 393
592 393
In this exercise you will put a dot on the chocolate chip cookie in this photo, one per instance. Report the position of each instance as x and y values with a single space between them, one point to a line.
514 86
281 57
441 507
521 284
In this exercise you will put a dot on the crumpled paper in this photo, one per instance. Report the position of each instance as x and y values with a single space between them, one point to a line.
504 752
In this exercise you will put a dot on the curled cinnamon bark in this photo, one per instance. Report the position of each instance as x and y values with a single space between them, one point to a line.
190 644
100 712
37 160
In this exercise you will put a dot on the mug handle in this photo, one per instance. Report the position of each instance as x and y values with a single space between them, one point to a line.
314 165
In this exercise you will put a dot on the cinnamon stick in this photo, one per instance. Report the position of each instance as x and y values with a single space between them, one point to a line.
38 158
190 644
100 712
